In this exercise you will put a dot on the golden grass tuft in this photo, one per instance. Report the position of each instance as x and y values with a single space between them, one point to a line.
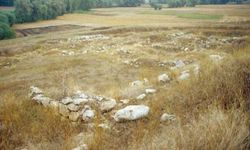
23 124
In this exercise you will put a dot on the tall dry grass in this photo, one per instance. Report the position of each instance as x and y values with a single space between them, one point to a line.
212 112
24 124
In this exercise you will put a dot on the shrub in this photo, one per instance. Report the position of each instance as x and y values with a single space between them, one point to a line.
4 19
11 17
6 32
156 6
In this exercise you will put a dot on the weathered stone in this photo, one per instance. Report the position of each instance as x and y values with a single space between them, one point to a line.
132 112
73 107
184 75
81 147
87 114
67 100
54 104
41 99
125 101
141 97
35 91
179 64
80 101
108 105
137 83
63 110
215 58
150 91
167 117
45 101
74 116
163 78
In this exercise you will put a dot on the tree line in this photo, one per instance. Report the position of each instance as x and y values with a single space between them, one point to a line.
191 3
33 10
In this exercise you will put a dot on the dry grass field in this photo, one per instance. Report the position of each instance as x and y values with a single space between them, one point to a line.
204 50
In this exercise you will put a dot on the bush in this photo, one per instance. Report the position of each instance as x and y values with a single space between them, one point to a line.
4 19
11 17
156 6
6 32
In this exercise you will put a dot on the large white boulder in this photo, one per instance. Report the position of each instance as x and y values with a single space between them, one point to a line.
163 78
107 105
132 112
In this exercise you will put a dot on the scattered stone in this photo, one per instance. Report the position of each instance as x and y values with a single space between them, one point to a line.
87 114
141 97
167 117
184 75
216 58
41 99
196 69
179 63
132 112
88 38
125 101
137 83
108 105
74 116
54 104
163 78
63 110
150 91
73 107
104 126
67 100
81 147
35 91
79 101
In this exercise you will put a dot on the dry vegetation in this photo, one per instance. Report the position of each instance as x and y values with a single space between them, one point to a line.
211 108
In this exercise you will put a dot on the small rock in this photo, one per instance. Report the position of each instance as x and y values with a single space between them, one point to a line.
45 101
216 58
80 101
63 110
184 75
163 78
132 112
67 100
166 117
150 91
179 63
54 104
125 101
73 107
81 147
136 83
141 97
87 114
104 126
74 116
35 91
108 105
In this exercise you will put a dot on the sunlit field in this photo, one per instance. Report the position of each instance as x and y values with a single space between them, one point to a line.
125 54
